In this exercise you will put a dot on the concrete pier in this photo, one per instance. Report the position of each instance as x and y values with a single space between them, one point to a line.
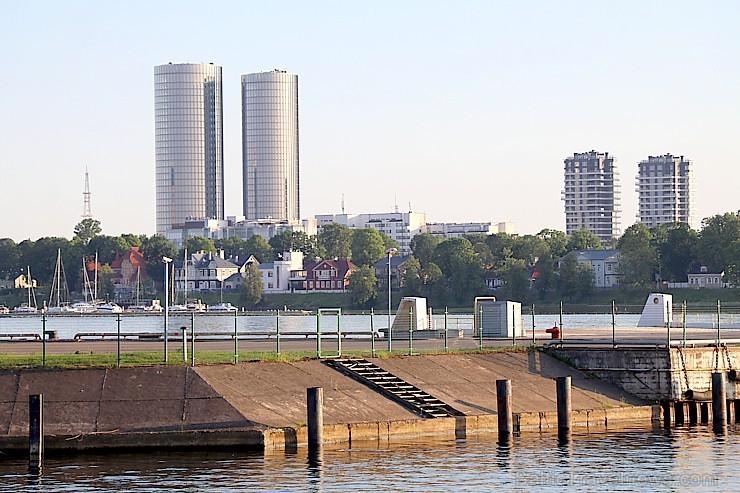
263 405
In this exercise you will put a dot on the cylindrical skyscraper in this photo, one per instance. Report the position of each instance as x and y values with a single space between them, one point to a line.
270 146
188 127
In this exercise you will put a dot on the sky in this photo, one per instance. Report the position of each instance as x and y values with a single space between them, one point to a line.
463 110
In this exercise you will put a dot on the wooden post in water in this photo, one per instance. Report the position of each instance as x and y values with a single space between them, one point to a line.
666 407
315 411
565 409
35 433
719 406
703 413
505 418
737 410
693 417
679 411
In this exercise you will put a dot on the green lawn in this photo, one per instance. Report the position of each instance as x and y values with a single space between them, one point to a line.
155 358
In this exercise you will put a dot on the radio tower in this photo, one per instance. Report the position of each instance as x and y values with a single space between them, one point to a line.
86 212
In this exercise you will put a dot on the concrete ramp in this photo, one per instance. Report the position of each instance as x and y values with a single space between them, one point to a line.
468 381
274 394
108 400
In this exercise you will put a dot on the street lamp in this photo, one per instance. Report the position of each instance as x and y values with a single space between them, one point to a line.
390 253
166 261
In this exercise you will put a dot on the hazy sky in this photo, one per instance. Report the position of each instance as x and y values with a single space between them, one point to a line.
464 109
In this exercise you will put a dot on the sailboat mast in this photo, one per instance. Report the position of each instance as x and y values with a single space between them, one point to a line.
138 284
96 276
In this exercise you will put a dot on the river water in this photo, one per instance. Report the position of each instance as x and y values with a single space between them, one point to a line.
637 460
69 325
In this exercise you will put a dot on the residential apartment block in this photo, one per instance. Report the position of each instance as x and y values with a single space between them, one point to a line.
401 226
592 194
665 187
458 230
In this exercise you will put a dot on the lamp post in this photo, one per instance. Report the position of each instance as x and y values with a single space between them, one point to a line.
390 253
166 261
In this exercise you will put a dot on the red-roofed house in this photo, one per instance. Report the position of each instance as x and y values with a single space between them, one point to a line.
329 275
126 268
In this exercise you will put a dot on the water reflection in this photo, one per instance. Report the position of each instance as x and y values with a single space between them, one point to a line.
686 458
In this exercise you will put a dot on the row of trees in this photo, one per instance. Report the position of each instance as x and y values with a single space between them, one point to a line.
544 266
447 271
667 252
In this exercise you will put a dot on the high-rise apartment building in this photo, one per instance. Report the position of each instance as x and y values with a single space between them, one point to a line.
665 190
188 127
270 146
591 194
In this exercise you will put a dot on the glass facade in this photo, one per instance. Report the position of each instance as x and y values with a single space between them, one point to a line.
188 127
270 146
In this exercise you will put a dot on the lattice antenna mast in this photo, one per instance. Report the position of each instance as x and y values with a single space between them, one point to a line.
86 211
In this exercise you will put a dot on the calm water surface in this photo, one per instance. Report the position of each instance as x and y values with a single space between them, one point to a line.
626 460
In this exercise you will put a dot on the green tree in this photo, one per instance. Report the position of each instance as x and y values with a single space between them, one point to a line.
676 244
556 240
574 280
583 239
260 248
463 270
501 246
87 229
545 280
153 249
516 278
412 278
529 248
10 256
367 247
732 272
638 256
233 246
196 244
251 288
388 242
132 240
363 286
106 289
716 238
285 241
335 240
423 245
107 247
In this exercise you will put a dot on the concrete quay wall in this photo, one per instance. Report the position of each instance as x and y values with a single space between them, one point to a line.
261 405
655 374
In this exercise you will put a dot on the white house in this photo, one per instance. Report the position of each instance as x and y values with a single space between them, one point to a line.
605 264
277 275
701 277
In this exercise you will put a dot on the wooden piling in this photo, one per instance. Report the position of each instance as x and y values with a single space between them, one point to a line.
666 406
693 415
505 417
678 409
315 410
719 406
565 409
737 410
704 414
35 432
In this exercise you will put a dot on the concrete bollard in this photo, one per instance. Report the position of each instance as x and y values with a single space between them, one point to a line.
505 418
315 408
565 409
719 406
35 433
